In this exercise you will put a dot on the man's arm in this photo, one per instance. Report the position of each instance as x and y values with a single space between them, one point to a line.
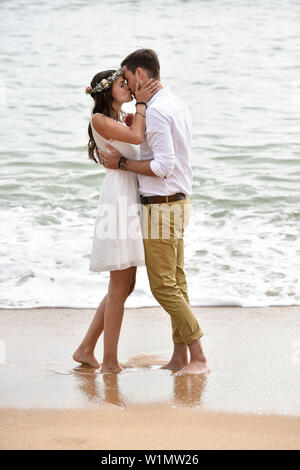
160 141
111 160
142 167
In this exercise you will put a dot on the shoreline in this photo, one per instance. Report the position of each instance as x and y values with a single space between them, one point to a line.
196 306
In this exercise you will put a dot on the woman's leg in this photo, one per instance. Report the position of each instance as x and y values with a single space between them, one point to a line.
85 352
119 288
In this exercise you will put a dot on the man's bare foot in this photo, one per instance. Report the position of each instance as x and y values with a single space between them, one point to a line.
85 357
111 369
174 364
195 367
179 357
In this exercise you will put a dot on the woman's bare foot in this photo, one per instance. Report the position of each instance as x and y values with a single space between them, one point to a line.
195 367
111 368
85 357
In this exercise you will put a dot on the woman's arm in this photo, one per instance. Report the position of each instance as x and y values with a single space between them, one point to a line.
135 134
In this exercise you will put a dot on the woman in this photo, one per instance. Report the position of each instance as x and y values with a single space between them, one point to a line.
111 250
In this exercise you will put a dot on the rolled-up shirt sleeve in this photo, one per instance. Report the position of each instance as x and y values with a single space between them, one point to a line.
160 141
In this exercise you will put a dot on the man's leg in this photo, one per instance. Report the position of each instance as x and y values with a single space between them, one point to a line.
166 291
161 262
179 357
164 262
198 359
161 268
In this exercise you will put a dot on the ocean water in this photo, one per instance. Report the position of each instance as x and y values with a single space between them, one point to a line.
235 63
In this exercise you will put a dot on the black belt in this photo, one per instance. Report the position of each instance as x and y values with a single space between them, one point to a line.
161 199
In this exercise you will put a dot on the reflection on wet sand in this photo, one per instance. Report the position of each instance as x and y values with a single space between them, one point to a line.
87 382
117 390
90 385
112 390
189 389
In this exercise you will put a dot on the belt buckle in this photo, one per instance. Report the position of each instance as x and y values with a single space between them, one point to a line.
167 197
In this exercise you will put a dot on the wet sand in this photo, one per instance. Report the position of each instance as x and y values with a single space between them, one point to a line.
250 399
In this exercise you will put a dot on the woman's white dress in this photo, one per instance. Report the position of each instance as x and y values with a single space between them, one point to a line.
117 241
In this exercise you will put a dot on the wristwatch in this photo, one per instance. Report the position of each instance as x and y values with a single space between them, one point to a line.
122 163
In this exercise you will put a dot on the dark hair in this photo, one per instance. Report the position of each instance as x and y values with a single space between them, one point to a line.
146 59
103 104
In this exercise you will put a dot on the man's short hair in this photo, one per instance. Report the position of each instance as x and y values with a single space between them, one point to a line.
147 59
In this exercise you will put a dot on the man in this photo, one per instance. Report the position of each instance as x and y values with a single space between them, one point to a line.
165 183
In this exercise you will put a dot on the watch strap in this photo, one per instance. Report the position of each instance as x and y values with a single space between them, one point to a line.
122 163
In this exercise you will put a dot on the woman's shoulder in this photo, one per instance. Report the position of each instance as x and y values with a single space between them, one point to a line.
97 117
100 120
96 120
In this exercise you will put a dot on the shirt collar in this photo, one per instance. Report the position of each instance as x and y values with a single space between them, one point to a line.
160 92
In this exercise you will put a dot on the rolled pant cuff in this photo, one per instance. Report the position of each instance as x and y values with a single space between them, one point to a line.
199 333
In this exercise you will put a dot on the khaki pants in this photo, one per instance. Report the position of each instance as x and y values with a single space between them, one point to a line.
163 229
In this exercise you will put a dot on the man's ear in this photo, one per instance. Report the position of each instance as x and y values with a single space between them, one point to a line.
139 73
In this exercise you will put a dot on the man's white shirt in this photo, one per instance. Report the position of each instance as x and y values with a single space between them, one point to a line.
168 142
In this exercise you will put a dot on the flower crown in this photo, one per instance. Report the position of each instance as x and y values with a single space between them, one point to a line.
105 83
